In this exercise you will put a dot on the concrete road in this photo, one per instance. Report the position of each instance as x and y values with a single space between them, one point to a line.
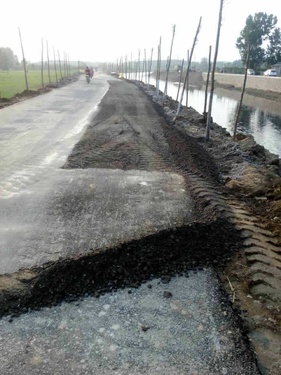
48 212
180 328
38 134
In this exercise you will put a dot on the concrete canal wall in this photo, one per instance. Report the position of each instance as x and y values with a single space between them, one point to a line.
253 82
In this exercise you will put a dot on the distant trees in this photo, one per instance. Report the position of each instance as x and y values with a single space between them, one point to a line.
264 39
7 58
204 64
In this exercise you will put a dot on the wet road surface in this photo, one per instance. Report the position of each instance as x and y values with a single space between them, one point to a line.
48 212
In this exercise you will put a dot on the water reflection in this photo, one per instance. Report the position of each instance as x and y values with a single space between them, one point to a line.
259 117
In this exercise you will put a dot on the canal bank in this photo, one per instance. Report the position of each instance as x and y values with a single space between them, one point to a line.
260 115
254 82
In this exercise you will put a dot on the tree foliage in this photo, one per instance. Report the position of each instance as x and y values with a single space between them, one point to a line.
263 38
273 52
7 58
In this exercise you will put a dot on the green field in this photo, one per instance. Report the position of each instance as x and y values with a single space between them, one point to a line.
13 81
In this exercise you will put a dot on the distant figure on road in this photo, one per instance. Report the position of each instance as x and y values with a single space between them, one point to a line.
91 72
87 71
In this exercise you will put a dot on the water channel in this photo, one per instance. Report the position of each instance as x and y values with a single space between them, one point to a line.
259 117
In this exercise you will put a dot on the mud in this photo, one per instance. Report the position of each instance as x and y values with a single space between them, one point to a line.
168 253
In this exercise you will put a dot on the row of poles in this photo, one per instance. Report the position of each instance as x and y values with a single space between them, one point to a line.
61 66
135 70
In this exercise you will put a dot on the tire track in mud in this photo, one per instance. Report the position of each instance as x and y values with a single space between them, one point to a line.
262 253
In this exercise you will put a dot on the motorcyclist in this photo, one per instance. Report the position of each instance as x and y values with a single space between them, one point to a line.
87 71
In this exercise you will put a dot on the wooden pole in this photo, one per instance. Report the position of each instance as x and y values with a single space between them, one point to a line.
69 66
24 62
131 67
65 63
55 64
188 67
187 81
207 84
158 68
42 63
48 62
126 67
209 116
242 94
60 64
169 62
180 80
149 68
139 66
145 66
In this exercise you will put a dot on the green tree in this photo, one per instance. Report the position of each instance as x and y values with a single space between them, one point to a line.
273 52
256 32
7 58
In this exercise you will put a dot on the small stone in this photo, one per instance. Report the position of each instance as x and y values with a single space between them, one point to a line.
145 328
167 294
165 279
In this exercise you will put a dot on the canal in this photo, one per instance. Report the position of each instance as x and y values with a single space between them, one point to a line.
259 117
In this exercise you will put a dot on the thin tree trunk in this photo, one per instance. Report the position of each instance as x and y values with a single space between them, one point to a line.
145 66
24 62
169 62
149 68
207 84
242 94
139 67
209 116
55 64
64 66
42 63
60 64
68 64
180 80
48 62
158 69
187 81
131 67
143 69
188 67
126 67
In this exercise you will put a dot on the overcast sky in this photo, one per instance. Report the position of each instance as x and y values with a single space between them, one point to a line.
104 30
